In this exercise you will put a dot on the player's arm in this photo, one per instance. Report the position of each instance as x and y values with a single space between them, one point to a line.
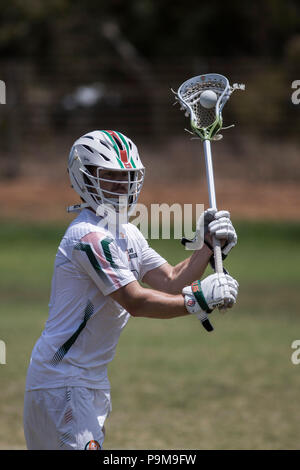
142 302
200 298
172 279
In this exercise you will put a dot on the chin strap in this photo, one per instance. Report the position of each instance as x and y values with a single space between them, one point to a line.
77 207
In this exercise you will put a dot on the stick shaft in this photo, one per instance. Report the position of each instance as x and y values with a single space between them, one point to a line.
212 202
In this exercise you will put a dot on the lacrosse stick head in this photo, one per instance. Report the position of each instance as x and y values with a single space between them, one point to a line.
205 122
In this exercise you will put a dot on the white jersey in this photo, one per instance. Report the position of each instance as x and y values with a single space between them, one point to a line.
84 323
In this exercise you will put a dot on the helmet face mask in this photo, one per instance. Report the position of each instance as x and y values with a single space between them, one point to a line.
105 169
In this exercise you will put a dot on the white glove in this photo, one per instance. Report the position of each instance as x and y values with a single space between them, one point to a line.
213 223
218 224
216 290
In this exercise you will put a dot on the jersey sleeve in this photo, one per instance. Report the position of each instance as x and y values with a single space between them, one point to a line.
98 256
150 258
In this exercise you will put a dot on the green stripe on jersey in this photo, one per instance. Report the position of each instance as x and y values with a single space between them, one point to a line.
105 246
88 250
62 351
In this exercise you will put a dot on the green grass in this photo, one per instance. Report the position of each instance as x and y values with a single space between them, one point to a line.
174 386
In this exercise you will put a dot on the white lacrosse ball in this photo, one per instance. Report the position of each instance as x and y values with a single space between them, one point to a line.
208 99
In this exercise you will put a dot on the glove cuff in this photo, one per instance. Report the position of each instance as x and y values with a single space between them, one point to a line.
198 293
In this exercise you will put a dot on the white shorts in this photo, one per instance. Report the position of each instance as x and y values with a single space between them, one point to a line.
65 418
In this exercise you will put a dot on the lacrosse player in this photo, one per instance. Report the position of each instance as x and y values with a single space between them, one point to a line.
95 290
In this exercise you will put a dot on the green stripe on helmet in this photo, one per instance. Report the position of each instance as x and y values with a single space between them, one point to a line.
127 149
124 142
116 148
132 162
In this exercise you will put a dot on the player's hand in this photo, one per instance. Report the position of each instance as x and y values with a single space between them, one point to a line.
216 290
218 224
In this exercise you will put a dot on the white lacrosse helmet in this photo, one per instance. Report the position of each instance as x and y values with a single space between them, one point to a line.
105 150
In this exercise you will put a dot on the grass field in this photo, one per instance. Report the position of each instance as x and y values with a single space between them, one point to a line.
174 386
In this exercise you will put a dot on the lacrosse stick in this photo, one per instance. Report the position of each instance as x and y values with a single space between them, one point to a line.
206 122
